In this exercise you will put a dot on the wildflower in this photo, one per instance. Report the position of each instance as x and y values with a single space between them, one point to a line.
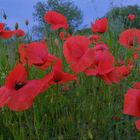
100 25
132 103
103 61
58 76
18 93
103 66
56 20
2 26
36 53
77 53
19 33
5 34
129 38
131 17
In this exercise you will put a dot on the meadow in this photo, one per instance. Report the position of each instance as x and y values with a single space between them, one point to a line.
69 103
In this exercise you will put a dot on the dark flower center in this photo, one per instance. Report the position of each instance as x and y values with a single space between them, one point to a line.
131 43
39 64
102 48
19 85
57 78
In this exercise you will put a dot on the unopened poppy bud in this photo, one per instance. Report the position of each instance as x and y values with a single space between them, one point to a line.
16 26
26 22
4 16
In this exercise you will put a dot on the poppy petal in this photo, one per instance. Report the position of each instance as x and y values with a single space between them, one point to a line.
131 102
6 34
4 96
137 124
12 78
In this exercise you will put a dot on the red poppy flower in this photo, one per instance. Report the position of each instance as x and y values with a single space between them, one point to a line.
19 33
58 76
77 53
36 54
1 26
117 74
124 70
137 49
132 103
135 55
103 66
18 93
136 85
64 36
131 17
100 25
94 38
137 124
6 34
56 20
112 77
130 37
103 61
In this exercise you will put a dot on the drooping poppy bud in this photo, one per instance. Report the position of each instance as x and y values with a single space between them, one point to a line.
16 26
4 16
26 22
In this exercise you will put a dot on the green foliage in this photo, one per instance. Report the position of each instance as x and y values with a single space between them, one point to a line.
65 7
118 18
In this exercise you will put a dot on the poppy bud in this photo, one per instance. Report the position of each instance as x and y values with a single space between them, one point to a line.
4 16
16 26
131 17
26 22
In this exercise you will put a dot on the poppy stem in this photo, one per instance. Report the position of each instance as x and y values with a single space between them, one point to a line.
28 124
